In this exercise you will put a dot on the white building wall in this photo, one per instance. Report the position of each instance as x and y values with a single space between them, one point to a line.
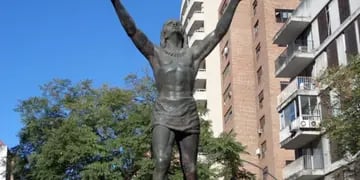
354 5
3 158
213 70
357 30
315 34
334 15
310 8
213 67
341 49
320 65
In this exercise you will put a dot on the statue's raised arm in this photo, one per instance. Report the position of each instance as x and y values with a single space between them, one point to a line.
140 40
205 46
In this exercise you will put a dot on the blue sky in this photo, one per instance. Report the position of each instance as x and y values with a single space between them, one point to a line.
41 40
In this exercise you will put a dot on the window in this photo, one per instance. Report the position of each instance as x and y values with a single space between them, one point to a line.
309 106
227 93
288 115
263 149
332 55
228 114
282 15
201 104
334 151
257 51
202 66
265 172
324 24
256 28
344 9
254 5
259 73
226 71
350 40
261 125
283 85
261 99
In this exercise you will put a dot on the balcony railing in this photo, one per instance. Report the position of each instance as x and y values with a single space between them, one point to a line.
194 22
197 35
294 58
200 94
299 83
190 6
305 167
201 74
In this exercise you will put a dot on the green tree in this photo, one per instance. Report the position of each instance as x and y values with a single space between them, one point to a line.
81 132
342 107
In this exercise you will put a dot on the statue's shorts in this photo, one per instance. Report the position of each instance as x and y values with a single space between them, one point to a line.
179 115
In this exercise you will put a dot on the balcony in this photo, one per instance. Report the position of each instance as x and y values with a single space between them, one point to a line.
189 7
197 35
201 74
295 25
307 167
299 86
301 131
196 21
299 121
294 59
200 94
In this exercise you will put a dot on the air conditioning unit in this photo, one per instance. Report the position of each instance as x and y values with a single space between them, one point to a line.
260 131
226 51
258 152
304 124
314 124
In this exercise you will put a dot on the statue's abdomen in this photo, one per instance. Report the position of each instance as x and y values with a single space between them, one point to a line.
175 80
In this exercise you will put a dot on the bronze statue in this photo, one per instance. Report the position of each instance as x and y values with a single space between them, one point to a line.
175 65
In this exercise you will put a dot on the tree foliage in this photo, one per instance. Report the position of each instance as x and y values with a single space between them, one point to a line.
76 131
342 120
343 124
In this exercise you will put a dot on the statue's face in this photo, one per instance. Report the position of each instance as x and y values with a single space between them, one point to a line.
172 27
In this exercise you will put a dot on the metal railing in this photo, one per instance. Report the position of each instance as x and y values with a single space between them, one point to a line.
305 162
198 34
190 21
313 117
299 83
291 50
188 9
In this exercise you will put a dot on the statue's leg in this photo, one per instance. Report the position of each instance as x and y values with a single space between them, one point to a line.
188 147
162 143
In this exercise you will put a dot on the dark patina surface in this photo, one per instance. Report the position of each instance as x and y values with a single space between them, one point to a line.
175 117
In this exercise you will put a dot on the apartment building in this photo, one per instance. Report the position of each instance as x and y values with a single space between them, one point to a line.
199 18
318 35
249 85
3 159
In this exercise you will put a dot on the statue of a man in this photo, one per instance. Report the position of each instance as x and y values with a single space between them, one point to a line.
175 65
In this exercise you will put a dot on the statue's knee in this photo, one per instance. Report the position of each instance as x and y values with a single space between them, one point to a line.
162 162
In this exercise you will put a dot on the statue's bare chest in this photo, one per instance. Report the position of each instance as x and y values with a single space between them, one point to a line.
182 58
175 68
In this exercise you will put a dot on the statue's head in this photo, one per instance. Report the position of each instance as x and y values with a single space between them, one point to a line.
173 27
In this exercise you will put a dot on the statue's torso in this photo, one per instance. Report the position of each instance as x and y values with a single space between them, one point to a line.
175 75
175 107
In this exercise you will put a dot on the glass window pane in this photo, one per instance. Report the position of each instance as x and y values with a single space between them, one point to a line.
289 113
